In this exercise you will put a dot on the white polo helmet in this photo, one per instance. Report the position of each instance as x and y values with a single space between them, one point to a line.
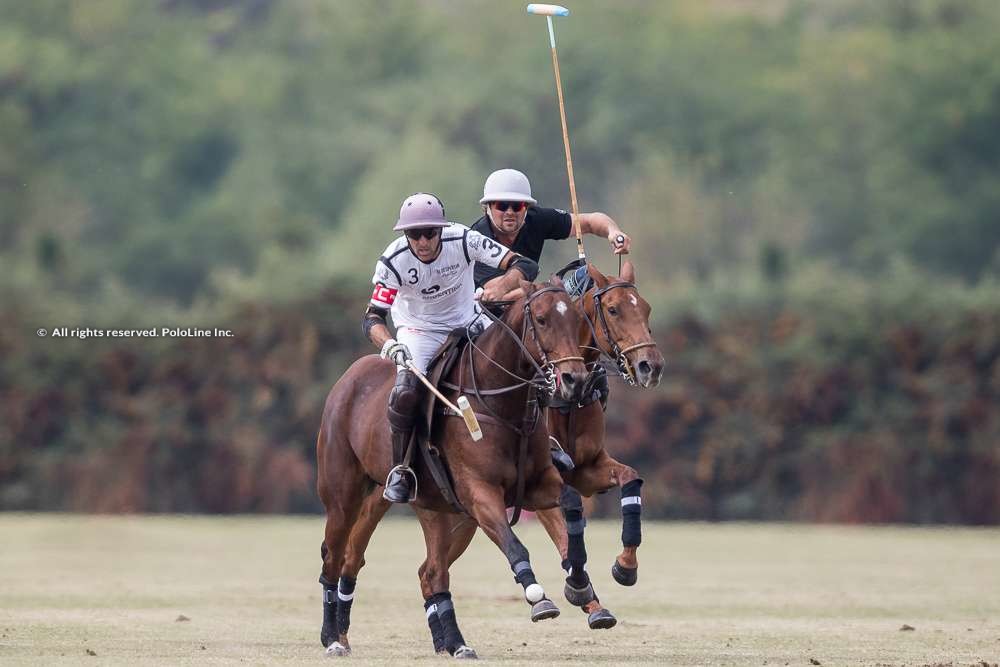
507 185
421 210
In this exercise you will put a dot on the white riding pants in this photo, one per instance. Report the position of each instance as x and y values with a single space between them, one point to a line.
423 343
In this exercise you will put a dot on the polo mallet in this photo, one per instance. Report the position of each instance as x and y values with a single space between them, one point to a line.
463 408
548 11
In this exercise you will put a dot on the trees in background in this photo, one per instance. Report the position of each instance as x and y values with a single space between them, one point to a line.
206 161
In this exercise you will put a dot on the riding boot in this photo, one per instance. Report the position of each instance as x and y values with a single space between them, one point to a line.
404 401
399 484
601 387
560 459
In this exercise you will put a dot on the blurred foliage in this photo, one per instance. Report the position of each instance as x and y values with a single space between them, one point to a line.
239 163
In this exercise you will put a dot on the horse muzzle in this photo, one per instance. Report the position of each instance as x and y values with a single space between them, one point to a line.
648 371
571 385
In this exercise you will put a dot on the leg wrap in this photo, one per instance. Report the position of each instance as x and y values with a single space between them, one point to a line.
329 632
576 556
522 572
345 598
434 623
446 615
632 513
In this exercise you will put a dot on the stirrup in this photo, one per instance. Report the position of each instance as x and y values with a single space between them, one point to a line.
401 470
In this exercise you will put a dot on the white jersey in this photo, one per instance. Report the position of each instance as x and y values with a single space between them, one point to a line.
438 295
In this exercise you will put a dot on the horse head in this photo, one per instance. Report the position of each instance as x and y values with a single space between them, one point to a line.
551 322
621 325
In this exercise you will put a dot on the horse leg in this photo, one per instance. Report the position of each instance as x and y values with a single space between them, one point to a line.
565 527
489 511
434 583
603 474
343 502
373 509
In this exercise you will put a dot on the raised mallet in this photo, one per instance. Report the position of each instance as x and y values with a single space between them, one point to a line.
548 11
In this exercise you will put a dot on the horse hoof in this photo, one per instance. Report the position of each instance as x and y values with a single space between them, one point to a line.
602 619
543 609
579 596
626 576
464 652
337 650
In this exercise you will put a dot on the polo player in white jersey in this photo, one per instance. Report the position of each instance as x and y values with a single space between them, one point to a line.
424 279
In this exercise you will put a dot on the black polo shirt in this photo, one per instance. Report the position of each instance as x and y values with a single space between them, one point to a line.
539 224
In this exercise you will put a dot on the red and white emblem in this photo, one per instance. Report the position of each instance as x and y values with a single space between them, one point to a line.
383 294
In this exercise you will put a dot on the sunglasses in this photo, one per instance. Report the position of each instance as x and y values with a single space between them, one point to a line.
422 233
516 206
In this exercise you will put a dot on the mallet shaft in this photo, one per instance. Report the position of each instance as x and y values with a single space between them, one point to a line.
466 410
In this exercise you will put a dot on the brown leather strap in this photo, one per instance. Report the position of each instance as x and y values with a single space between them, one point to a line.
437 467
527 429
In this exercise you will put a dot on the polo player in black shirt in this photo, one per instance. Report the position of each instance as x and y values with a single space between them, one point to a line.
511 216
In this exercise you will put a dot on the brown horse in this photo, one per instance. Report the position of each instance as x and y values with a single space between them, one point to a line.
615 324
353 452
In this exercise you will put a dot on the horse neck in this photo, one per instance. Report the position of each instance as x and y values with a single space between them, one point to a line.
498 345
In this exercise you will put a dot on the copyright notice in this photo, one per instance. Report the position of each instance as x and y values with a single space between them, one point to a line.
153 332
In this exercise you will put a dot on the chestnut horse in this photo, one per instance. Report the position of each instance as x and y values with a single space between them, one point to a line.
353 453
615 324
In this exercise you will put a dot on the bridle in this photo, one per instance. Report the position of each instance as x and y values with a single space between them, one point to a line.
547 369
617 352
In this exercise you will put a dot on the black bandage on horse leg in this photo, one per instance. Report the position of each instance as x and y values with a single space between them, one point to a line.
632 513
523 573
345 598
434 623
576 555
329 632
449 624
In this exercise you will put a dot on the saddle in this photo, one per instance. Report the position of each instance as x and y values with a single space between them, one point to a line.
440 365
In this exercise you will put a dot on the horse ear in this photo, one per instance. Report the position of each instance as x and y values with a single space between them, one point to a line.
556 281
527 287
628 272
599 278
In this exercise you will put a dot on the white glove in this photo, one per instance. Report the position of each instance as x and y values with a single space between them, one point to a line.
396 351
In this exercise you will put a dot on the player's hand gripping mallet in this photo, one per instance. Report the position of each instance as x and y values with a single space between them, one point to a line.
548 11
463 408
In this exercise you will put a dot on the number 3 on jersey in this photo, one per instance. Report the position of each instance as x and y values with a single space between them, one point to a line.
493 248
413 277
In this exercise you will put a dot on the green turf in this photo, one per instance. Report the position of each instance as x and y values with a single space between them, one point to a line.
707 594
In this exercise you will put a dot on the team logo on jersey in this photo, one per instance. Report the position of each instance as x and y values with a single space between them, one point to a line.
560 211
430 290
448 270
383 294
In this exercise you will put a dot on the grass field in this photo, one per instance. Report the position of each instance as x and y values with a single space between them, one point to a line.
72 586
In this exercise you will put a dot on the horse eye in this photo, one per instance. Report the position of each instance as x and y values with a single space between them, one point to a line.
612 310
541 321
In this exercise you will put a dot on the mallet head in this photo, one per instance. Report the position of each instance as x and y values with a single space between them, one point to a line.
548 10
